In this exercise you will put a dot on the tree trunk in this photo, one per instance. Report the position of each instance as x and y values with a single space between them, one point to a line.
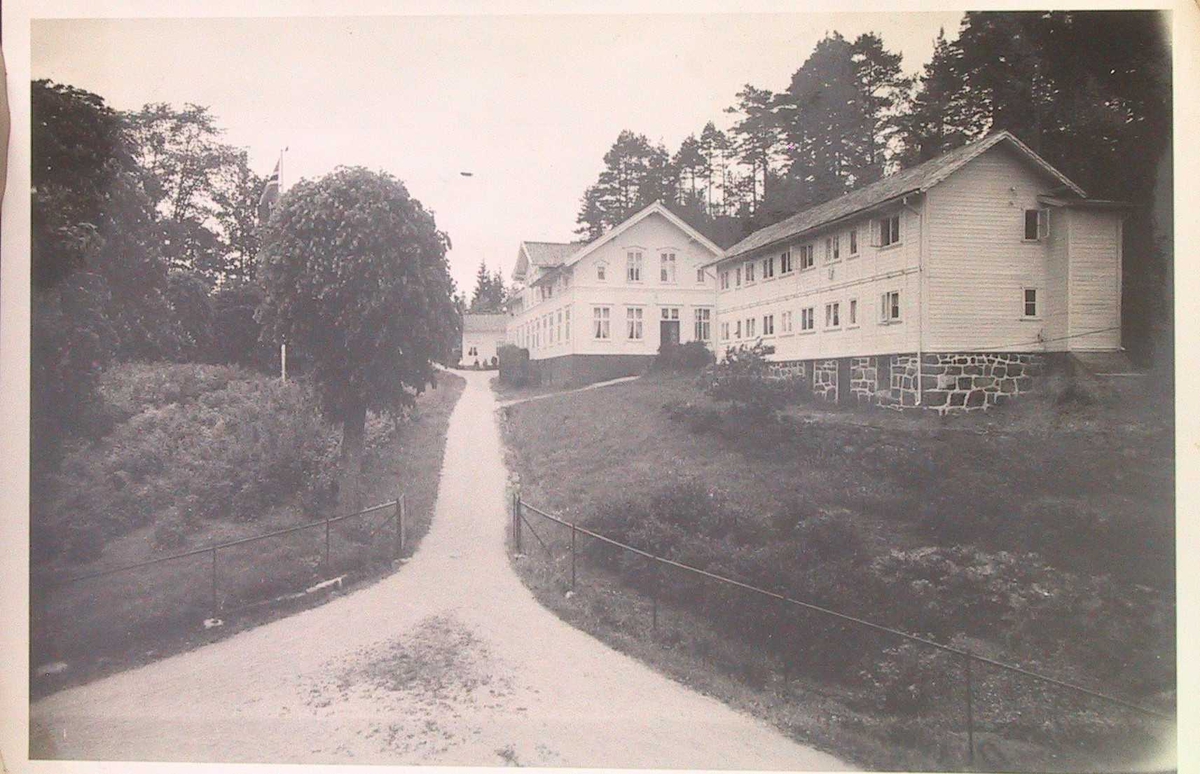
349 487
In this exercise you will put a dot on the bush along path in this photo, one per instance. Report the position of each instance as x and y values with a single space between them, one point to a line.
451 661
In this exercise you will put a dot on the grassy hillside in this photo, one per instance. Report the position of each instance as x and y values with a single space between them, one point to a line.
197 455
1040 536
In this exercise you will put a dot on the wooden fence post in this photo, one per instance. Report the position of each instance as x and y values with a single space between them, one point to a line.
970 717
403 506
397 548
654 598
214 582
328 569
573 531
517 522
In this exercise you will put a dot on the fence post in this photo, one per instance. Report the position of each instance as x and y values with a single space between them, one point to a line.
517 522
654 598
573 531
328 570
403 506
970 717
397 549
214 582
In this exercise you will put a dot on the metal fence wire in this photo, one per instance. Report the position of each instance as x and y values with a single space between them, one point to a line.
978 673
215 579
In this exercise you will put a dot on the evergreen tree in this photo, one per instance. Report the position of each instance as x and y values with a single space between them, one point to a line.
636 173
939 117
884 89
756 139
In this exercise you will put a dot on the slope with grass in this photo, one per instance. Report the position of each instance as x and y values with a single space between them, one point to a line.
1040 535
187 456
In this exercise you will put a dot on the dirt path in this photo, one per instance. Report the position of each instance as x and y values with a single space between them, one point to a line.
449 661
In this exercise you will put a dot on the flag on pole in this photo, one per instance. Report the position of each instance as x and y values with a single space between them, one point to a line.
270 194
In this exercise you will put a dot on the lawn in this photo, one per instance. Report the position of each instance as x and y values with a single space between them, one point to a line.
200 421
1042 535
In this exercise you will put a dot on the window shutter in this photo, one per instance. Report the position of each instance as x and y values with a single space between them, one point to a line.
1043 225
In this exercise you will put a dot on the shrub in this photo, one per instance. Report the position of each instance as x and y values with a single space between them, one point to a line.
692 356
226 453
515 369
906 678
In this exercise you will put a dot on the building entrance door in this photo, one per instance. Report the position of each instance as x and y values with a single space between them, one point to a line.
668 330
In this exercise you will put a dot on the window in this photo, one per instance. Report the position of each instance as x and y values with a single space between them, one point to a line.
768 325
558 330
473 352
1037 224
724 280
633 323
666 270
889 230
700 276
785 262
833 318
889 307
751 325
601 319
670 313
750 272
703 330
737 276
853 242
601 272
738 330
633 266
567 323
833 248
852 312
807 260
1030 303
549 289
724 331
768 266
807 319
785 322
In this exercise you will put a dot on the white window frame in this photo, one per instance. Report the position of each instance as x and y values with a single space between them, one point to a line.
700 275
737 276
853 240
890 312
635 266
768 268
602 323
808 319
785 263
602 272
768 325
751 327
725 280
885 231
833 315
786 323
1037 307
1043 224
750 273
808 257
725 331
702 323
635 323
833 248
567 322
668 265
852 312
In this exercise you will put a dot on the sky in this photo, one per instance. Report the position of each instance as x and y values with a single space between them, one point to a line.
527 104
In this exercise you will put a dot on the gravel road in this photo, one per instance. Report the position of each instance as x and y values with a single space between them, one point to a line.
448 661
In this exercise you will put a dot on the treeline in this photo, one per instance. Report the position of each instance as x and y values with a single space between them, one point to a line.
1089 91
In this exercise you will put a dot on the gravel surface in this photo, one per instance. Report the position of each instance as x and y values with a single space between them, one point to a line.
448 661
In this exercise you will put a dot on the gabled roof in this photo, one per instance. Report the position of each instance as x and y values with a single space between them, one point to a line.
484 323
542 255
657 208
916 179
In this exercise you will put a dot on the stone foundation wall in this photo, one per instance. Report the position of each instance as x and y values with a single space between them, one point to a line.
787 369
864 379
969 381
825 380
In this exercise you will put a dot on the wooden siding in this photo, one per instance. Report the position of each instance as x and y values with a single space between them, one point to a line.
979 262
583 292
1095 290
1057 311
864 277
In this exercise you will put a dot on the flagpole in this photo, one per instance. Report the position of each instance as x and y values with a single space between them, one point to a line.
282 345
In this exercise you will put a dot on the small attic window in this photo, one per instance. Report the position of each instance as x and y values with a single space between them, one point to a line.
1037 224
601 272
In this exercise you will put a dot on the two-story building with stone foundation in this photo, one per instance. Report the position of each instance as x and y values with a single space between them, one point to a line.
599 310
949 285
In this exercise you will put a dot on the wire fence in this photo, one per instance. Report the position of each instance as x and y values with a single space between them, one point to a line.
114 607
1008 691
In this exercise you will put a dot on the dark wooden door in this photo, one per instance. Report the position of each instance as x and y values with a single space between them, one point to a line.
669 332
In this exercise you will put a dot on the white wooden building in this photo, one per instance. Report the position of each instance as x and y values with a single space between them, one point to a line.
600 310
482 336
945 285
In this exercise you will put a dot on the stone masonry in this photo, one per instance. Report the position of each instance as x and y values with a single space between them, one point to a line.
825 380
968 381
864 379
